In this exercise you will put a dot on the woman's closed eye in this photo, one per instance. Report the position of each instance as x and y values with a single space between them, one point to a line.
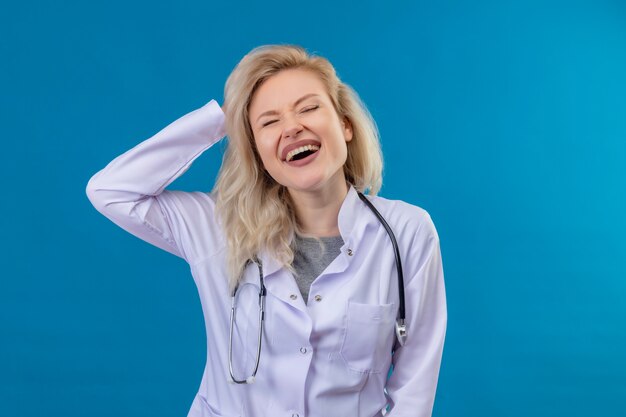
310 108
269 122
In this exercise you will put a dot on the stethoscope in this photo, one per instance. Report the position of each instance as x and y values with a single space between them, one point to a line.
401 332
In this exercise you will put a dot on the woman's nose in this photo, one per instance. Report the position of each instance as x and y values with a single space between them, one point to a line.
292 128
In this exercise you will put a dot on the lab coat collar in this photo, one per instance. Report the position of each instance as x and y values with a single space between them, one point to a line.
349 213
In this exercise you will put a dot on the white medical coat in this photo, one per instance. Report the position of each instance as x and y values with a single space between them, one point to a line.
328 357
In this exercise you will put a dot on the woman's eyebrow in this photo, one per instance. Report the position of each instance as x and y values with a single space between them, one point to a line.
298 101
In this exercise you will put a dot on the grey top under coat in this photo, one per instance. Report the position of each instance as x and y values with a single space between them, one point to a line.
311 258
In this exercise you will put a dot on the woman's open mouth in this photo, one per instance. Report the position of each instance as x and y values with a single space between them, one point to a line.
302 155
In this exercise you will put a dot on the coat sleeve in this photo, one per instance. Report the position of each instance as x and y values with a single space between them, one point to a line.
130 190
413 382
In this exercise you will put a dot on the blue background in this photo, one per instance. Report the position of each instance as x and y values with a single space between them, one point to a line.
505 120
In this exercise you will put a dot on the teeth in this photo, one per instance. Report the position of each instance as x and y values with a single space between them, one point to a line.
296 151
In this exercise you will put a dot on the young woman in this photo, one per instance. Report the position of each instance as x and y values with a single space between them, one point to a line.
305 302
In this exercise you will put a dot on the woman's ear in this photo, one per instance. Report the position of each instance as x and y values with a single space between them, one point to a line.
347 129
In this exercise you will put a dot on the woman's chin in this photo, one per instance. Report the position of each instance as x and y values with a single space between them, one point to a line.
315 185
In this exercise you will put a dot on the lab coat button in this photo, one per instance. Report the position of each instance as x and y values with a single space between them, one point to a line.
293 296
350 253
318 298
295 415
303 350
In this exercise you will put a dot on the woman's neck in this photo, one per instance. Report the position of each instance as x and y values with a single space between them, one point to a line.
318 211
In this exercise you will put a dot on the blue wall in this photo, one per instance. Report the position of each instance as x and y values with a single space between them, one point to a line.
505 120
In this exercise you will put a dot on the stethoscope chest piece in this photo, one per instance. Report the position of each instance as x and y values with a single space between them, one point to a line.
401 331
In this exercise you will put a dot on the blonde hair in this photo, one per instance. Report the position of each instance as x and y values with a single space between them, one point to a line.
255 211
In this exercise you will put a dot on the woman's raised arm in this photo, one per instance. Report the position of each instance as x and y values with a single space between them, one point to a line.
130 190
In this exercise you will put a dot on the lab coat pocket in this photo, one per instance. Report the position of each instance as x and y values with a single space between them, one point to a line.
368 336
202 408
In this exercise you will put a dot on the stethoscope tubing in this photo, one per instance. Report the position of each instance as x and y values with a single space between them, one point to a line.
396 250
